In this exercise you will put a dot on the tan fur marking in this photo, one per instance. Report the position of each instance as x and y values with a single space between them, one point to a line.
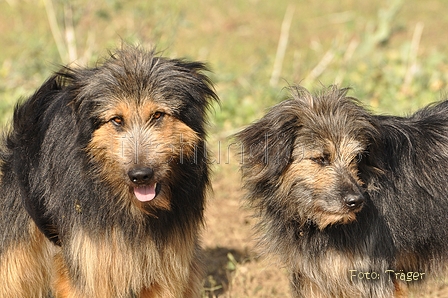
62 286
334 278
401 290
325 219
159 146
320 178
25 268
111 267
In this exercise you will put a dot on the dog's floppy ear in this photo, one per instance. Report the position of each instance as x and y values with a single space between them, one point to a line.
267 144
30 122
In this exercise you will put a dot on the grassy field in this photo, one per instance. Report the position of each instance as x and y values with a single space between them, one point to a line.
391 53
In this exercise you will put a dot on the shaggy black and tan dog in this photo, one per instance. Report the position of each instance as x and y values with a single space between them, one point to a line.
356 205
104 175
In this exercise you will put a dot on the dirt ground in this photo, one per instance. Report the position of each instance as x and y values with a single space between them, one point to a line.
234 267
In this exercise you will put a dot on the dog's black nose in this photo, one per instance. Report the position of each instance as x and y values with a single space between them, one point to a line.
354 201
141 175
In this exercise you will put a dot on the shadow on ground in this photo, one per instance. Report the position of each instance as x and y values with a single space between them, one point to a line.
220 262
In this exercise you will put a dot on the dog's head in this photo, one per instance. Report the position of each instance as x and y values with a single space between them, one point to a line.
142 121
301 159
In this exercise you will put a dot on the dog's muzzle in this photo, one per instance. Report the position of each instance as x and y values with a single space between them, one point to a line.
146 189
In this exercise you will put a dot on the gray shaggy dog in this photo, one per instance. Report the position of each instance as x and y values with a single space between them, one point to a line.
354 204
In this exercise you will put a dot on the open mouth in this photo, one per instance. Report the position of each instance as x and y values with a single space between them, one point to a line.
146 193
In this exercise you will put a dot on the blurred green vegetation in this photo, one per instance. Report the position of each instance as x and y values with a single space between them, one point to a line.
392 53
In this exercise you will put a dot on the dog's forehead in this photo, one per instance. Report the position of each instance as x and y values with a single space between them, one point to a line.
129 107
347 148
338 145
348 129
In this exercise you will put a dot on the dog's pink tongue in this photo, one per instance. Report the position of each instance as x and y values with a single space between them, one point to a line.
145 193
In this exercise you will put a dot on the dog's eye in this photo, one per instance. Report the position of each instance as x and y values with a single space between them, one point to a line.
117 121
358 158
158 115
321 160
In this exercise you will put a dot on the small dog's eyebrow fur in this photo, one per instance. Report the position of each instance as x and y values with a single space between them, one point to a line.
355 211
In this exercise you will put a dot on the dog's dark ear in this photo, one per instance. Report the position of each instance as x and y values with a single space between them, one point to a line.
189 79
79 97
267 144
30 123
